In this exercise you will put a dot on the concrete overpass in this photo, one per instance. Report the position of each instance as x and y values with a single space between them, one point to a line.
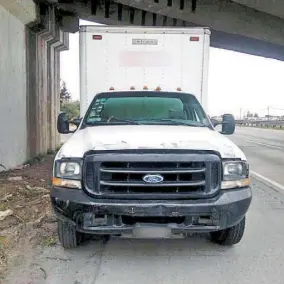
249 26
33 33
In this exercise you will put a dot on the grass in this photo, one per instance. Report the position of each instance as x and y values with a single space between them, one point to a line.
4 206
41 158
58 148
49 241
35 160
51 152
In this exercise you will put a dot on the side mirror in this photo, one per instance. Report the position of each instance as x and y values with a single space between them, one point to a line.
228 124
63 123
214 122
77 121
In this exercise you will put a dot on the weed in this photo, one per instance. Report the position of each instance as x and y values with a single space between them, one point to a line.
49 241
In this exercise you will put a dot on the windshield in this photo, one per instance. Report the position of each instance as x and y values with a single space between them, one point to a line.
146 108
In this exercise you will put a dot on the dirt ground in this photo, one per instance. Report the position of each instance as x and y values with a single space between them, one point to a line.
26 219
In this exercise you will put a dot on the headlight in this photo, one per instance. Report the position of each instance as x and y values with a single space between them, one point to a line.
68 174
69 170
235 174
235 170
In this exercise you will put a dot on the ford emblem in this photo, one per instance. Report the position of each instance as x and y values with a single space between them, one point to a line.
153 178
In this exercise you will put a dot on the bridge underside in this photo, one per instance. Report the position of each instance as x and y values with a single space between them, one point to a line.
234 26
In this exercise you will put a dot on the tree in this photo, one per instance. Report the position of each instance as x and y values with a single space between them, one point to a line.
65 96
256 115
72 109
249 114
66 105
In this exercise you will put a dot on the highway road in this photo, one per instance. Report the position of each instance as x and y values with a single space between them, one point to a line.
258 259
264 149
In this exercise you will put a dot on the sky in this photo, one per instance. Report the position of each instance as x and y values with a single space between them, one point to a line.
237 82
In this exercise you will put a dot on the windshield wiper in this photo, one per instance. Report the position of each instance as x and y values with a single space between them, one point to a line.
122 120
105 122
174 122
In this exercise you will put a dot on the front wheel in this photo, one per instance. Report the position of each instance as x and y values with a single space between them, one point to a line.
67 234
229 236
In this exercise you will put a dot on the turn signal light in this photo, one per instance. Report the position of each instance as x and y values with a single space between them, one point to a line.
66 183
235 183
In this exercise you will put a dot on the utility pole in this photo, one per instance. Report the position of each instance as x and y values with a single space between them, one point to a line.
268 112
240 113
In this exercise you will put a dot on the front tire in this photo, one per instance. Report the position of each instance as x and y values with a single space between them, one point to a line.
68 236
229 236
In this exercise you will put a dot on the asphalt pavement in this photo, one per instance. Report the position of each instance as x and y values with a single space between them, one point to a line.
264 149
258 259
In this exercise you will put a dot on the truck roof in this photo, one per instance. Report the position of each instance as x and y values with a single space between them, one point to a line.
143 93
156 30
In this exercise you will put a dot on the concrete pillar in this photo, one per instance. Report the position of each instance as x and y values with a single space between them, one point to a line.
45 40
14 15
29 79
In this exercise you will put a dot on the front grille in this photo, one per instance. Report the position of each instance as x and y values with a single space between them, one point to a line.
177 177
184 176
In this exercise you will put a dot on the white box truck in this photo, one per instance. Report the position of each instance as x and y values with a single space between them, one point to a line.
121 58
145 159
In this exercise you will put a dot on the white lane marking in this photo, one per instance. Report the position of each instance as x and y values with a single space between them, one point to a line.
264 144
268 181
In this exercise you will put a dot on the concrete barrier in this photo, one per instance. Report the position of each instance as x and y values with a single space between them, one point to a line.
276 124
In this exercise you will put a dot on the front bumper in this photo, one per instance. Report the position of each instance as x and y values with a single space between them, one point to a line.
116 217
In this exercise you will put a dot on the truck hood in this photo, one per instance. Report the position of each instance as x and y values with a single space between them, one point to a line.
119 137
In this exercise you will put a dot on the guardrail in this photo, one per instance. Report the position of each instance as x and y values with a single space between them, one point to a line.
261 123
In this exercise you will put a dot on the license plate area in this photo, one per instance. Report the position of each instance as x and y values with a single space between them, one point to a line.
146 231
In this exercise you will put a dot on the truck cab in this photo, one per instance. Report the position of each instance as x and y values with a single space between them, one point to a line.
149 164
